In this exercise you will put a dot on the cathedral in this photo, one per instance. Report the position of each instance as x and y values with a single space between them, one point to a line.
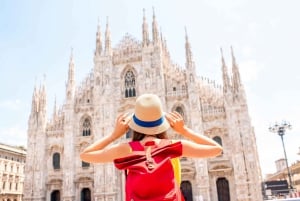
54 171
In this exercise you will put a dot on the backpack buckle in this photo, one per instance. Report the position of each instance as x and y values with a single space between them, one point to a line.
149 160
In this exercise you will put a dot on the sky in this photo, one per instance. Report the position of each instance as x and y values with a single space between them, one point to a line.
37 37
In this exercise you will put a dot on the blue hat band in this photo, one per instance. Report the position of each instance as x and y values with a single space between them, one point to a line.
147 124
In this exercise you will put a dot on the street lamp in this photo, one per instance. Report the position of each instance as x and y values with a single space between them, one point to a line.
280 130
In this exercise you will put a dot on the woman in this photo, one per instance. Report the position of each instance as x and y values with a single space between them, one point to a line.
149 124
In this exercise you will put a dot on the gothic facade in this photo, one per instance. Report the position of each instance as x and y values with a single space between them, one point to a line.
54 170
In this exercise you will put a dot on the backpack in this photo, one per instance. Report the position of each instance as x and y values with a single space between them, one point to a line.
150 174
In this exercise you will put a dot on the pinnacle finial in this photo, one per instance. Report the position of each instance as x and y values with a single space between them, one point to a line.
153 11
222 57
108 49
186 34
221 50
231 48
232 55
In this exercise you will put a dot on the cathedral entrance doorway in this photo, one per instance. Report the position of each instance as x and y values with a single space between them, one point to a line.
85 194
186 189
223 189
55 195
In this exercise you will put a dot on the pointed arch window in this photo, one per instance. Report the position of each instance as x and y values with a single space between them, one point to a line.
56 161
55 195
86 127
180 111
223 189
85 194
129 83
218 140
187 191
85 164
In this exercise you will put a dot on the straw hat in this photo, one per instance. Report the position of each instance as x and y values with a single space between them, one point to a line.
148 117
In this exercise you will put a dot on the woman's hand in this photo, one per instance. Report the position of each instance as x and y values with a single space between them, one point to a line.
176 122
121 126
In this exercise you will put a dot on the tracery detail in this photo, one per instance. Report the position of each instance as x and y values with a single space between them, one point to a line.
129 84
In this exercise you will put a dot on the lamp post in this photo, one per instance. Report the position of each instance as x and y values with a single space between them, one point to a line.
280 130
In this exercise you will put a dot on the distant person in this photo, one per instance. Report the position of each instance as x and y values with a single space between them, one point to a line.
149 125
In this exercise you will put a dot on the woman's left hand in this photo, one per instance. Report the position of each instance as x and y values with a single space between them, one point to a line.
176 121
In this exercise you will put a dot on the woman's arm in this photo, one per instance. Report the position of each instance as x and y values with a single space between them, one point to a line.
192 149
200 146
99 152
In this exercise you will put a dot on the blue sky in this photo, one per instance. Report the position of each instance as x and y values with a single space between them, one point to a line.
36 38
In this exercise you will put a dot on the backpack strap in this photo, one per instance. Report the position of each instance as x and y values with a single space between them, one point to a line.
136 146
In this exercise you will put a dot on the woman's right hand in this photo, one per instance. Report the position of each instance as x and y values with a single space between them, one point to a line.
121 126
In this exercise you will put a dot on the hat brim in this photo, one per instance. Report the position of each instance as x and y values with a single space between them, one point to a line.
164 126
